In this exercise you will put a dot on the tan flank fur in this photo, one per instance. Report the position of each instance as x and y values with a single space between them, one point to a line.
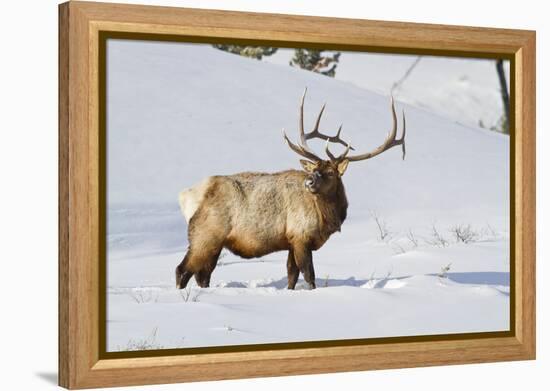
254 214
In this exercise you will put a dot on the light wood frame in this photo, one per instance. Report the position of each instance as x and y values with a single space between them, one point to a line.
80 361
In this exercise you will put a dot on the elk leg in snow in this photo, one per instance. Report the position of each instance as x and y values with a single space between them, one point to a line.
304 261
182 274
292 270
203 278
206 259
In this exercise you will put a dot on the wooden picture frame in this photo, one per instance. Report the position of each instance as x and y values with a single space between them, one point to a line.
83 364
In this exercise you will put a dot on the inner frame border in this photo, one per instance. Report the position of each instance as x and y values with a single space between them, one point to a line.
104 36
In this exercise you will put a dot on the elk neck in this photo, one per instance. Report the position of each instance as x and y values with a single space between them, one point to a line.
331 210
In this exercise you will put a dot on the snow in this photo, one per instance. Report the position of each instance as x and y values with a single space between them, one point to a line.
180 112
466 91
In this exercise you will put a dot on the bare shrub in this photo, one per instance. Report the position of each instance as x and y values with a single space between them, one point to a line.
465 233
374 282
437 239
412 238
188 294
383 230
398 249
488 231
148 343
491 230
444 270
141 296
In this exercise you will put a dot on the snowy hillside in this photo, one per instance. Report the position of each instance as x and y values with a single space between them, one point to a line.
466 91
178 113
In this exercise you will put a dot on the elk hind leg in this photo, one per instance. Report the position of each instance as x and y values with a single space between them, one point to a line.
183 275
207 232
208 261
203 278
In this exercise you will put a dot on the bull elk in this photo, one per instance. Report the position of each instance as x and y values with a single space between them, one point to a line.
253 214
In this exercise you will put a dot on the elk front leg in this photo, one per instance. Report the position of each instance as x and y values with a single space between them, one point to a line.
304 261
292 270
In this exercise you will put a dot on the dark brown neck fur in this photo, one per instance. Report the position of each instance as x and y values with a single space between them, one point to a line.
332 209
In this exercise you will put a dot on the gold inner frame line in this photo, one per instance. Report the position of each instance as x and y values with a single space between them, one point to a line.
104 36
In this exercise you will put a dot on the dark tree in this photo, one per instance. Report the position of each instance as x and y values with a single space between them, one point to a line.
256 52
504 95
315 61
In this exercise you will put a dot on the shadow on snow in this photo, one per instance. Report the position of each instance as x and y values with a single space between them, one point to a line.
474 278
481 278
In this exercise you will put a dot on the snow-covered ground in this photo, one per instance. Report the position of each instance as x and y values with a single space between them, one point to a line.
178 113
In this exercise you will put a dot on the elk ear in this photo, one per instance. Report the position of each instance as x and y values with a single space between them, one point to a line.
307 165
342 166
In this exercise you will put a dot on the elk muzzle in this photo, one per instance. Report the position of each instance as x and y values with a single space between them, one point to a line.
312 182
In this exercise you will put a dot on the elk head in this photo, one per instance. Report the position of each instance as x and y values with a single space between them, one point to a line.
325 175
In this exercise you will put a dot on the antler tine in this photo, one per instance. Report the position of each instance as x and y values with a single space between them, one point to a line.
303 135
317 121
315 132
390 141
327 151
332 157
345 153
333 139
301 150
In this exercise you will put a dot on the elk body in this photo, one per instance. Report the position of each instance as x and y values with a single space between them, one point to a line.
254 214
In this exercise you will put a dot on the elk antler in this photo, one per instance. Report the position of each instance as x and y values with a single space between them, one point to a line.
390 142
302 148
